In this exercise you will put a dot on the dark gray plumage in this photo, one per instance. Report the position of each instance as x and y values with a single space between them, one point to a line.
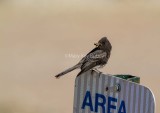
97 57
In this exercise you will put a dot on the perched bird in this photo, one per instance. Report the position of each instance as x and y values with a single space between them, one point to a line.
97 57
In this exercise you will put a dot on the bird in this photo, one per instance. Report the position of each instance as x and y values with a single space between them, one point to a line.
96 58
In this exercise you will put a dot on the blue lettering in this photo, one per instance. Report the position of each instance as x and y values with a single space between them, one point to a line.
98 103
110 106
122 106
89 103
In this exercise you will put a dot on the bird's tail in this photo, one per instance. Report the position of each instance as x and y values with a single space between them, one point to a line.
68 70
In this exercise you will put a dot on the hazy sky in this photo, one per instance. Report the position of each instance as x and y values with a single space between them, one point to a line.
35 36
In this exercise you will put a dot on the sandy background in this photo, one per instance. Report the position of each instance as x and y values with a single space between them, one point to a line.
35 36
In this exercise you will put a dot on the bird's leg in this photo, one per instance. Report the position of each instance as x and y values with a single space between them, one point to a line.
96 70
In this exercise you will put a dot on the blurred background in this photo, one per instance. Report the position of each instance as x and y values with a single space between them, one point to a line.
36 37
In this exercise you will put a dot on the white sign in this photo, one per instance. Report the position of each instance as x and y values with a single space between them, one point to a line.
100 93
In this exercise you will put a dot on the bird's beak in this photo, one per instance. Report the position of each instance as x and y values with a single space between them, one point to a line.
97 44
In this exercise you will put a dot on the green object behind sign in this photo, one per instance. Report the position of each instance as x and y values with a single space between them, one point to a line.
129 78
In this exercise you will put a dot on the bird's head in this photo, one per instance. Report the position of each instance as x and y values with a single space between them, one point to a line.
104 43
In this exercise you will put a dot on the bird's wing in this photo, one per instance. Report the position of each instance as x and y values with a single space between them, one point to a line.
92 59
95 55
